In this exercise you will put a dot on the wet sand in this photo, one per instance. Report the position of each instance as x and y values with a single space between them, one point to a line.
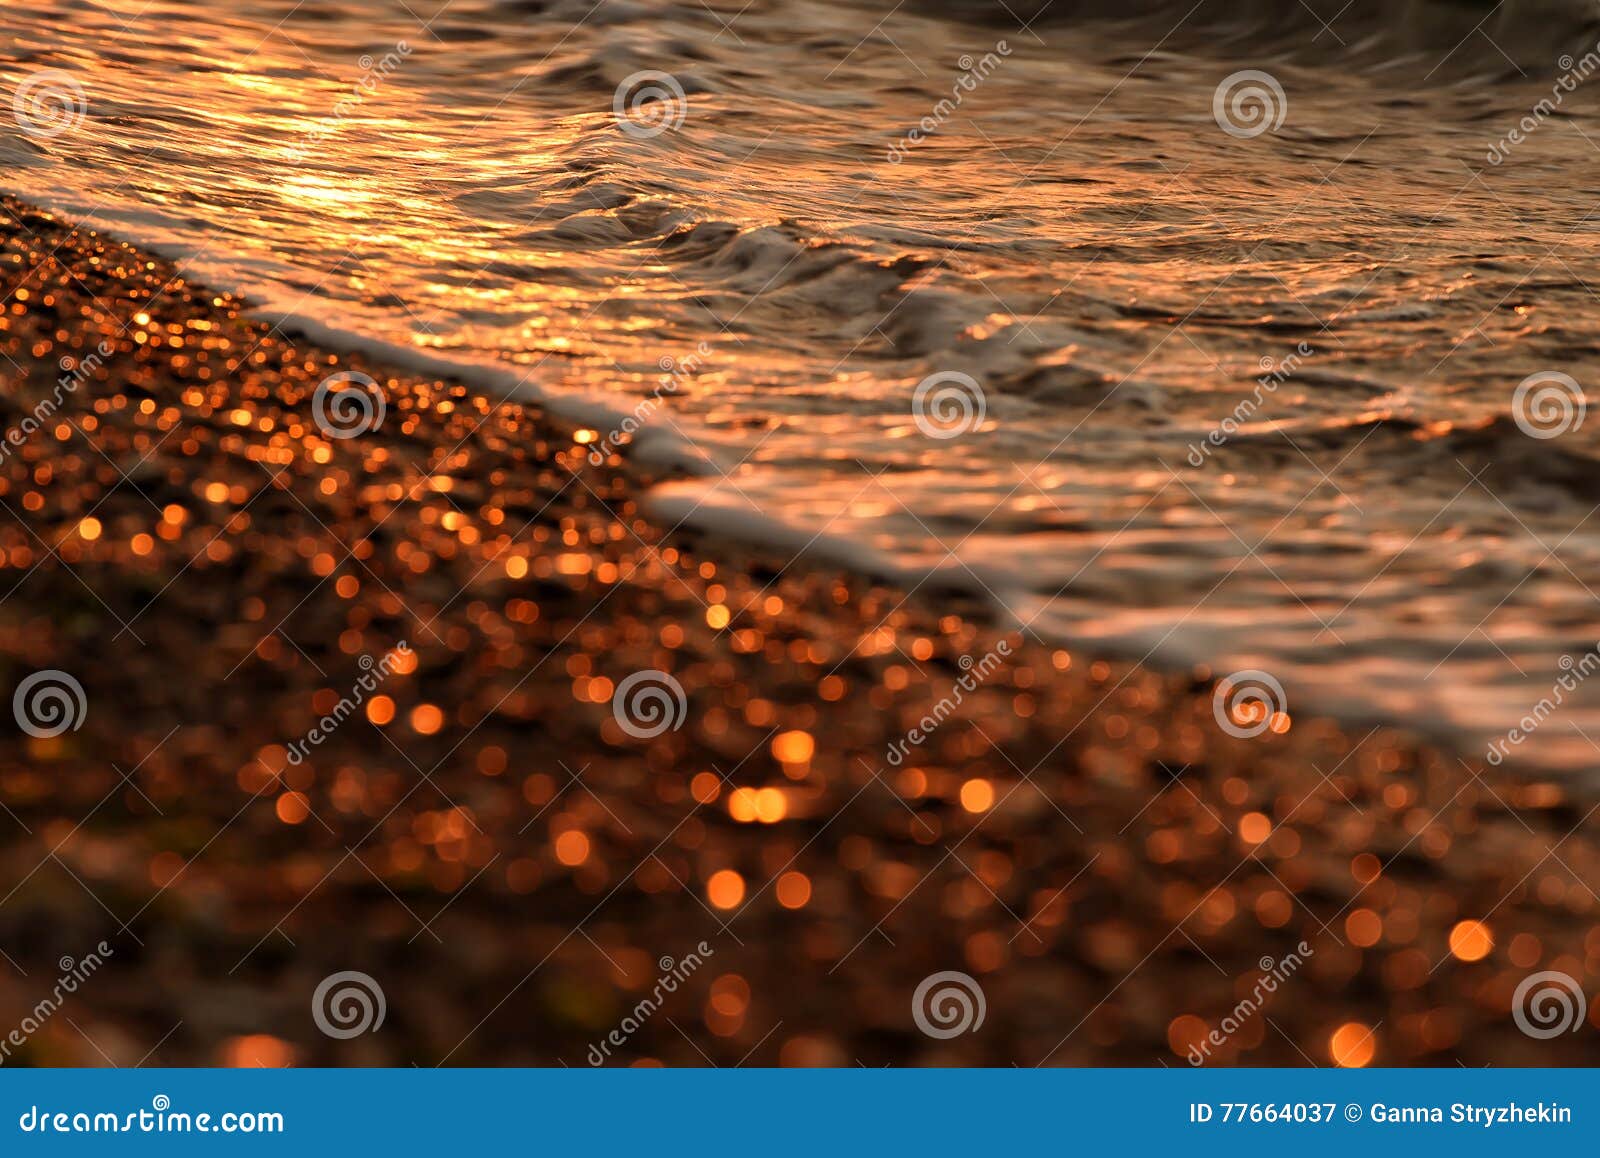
511 866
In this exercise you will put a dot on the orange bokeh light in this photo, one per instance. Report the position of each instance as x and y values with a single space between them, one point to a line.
977 795
1352 1045
725 889
1471 941
572 847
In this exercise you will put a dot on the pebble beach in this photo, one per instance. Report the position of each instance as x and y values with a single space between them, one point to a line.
462 591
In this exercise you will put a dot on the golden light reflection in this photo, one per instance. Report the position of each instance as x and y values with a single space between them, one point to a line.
977 795
725 889
1352 1045
1471 941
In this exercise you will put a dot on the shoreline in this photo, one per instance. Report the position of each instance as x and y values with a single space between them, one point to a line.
479 835
651 454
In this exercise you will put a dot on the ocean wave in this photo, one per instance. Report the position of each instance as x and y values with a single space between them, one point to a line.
1448 38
